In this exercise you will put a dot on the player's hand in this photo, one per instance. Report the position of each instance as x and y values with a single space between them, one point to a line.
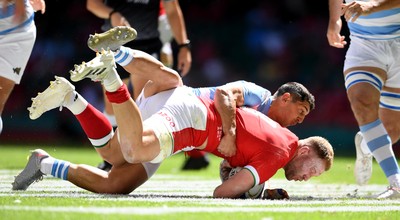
19 13
224 170
117 19
333 34
351 11
275 194
38 5
227 146
184 61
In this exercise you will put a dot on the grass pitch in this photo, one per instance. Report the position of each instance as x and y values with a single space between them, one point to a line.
176 194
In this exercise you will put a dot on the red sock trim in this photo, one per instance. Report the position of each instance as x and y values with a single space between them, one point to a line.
94 123
121 95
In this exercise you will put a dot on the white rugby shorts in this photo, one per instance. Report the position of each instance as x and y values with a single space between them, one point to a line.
15 50
383 54
179 107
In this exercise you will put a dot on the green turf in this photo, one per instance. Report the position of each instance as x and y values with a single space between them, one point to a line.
14 158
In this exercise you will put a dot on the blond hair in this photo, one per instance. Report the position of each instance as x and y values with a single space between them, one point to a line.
323 149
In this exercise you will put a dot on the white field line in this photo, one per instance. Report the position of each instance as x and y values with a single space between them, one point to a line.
171 210
196 194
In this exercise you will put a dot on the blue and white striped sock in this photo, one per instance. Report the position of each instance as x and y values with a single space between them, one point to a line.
380 144
55 167
123 56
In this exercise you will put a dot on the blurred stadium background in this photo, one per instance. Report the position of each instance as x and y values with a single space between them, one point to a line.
266 42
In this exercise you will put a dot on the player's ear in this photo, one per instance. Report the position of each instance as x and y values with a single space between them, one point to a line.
286 97
303 150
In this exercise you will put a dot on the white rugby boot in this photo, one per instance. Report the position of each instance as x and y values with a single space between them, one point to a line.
97 69
391 193
363 164
31 172
53 97
112 39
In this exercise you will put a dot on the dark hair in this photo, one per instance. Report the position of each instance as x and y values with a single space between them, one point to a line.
298 93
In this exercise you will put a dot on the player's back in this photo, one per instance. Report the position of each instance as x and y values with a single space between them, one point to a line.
262 144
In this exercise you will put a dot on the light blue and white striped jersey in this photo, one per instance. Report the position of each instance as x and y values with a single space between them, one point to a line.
382 25
255 96
6 16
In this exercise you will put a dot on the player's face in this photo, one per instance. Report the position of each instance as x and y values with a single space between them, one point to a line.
296 112
287 112
304 166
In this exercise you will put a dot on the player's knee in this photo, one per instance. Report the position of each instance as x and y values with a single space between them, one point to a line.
128 152
363 90
359 101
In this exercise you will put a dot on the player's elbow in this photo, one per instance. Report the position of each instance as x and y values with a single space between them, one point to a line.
220 192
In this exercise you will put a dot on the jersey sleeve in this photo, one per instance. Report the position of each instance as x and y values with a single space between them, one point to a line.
264 169
253 94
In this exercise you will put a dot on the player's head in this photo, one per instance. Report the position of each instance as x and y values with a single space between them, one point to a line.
292 103
314 156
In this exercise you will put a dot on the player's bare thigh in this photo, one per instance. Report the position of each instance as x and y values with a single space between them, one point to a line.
111 152
6 87
364 96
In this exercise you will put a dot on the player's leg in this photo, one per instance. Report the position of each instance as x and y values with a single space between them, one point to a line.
122 179
6 88
365 110
98 129
166 55
138 143
132 137
364 96
144 67
15 50
108 111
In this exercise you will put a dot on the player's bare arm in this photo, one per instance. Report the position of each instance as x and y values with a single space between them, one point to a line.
335 25
38 5
225 103
177 23
351 11
227 98
101 10
235 186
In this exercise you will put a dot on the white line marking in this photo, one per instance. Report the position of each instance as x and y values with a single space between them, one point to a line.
169 210
176 189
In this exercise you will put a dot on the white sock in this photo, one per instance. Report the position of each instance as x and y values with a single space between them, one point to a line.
1 125
75 103
113 81
55 167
